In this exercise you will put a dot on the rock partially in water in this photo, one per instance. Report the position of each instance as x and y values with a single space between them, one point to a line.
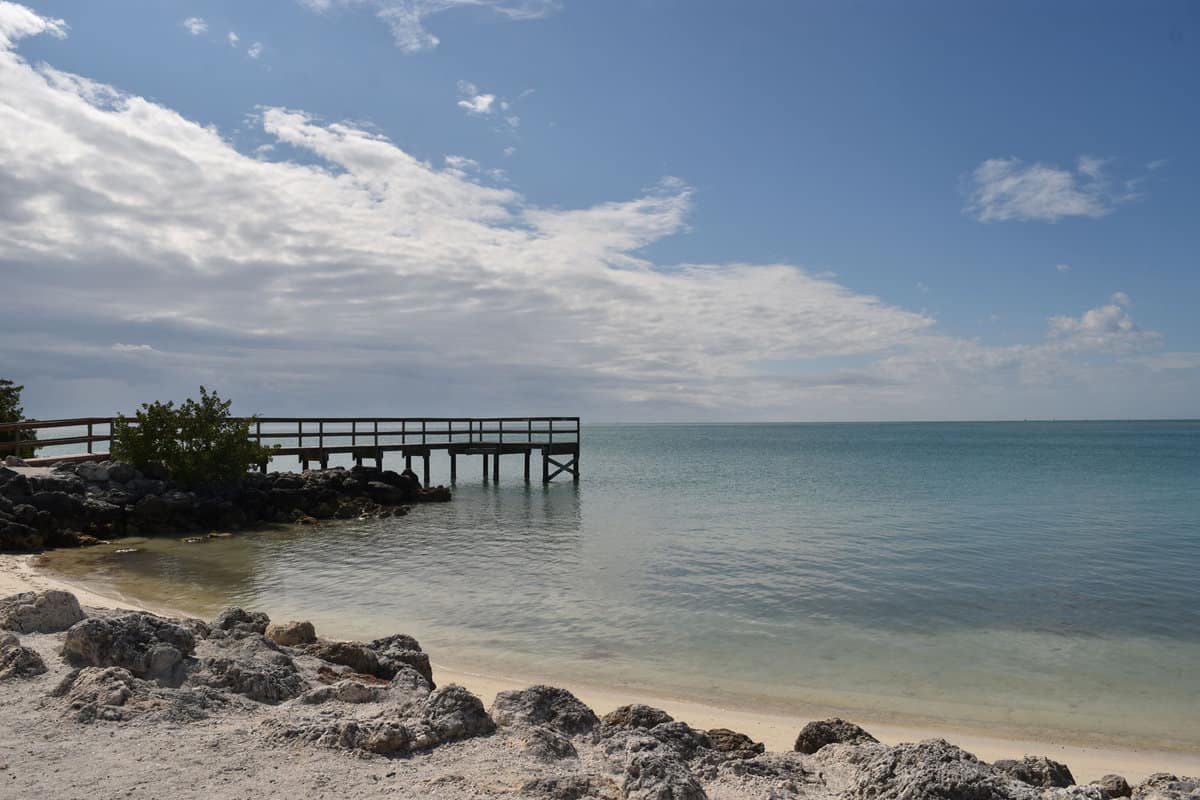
816 735
40 612
17 661
148 646
544 705
1037 771
291 634
637 715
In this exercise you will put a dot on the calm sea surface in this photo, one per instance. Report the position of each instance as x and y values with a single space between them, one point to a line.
1026 577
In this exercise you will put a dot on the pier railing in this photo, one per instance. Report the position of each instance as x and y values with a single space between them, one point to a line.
315 439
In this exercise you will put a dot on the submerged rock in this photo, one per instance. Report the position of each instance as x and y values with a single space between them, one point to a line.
816 735
17 661
1037 771
146 645
40 612
544 705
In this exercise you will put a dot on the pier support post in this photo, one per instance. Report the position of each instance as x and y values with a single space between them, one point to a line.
545 466
426 469
485 467
407 460
453 466
527 466
496 466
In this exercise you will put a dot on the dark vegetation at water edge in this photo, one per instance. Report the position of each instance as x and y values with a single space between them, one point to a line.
81 504
133 687
11 411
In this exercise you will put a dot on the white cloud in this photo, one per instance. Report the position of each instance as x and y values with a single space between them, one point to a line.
132 348
18 22
475 101
406 18
233 39
1063 267
255 50
1005 189
360 273
510 151
195 25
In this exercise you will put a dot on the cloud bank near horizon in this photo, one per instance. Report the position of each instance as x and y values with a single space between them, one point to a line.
150 256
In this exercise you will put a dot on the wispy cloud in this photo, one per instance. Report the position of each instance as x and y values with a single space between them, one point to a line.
407 18
18 22
1003 189
1063 267
233 39
255 50
195 25
474 101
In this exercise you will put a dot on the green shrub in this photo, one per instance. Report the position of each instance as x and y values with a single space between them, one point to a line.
11 411
197 442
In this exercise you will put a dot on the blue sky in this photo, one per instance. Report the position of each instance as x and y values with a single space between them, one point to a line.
734 211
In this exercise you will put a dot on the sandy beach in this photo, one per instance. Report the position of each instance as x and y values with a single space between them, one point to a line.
19 573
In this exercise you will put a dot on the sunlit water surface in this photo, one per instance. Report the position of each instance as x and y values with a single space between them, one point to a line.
1024 577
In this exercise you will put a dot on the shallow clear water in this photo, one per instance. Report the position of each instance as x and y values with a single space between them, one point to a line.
1026 577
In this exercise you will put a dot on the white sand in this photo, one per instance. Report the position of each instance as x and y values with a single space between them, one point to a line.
1087 763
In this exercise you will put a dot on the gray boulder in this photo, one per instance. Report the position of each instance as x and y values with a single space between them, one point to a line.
544 705
148 646
654 776
1037 771
816 735
401 650
1114 786
17 661
251 666
114 694
1166 786
92 472
357 656
120 472
50 611
546 744
565 787
237 623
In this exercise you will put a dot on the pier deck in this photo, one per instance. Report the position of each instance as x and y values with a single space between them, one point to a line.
313 440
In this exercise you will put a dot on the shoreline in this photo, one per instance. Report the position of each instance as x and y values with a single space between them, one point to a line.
777 731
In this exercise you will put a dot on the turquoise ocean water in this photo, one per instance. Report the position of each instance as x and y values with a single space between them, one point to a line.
1028 578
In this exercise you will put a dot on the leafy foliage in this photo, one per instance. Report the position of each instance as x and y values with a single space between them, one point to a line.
197 442
11 411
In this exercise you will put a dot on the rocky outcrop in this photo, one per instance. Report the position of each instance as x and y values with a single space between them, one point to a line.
1165 786
17 661
1037 771
816 735
550 706
114 694
291 634
733 744
82 503
1114 786
146 645
398 651
567 787
357 656
250 665
636 716
39 612
426 720
237 623
654 776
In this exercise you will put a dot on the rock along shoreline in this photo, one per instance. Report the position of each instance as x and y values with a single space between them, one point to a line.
242 706
77 504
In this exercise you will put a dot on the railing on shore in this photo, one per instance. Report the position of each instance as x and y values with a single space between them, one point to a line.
315 439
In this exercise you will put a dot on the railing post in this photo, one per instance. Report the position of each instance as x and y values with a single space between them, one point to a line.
353 432
258 433
422 431
321 434
89 437
299 433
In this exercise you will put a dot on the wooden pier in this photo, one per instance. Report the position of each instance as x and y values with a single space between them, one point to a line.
313 440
